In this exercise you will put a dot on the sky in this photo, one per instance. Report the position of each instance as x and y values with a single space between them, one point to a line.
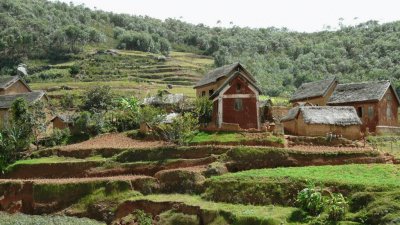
296 15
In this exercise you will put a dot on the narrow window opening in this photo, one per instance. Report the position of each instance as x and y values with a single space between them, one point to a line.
238 104
359 112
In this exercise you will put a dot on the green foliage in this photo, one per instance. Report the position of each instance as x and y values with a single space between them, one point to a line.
145 42
311 200
68 101
19 218
337 207
151 115
74 70
176 218
181 131
204 109
90 124
58 137
142 218
97 99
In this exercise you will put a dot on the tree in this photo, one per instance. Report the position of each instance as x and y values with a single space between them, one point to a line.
38 120
204 109
97 99
181 131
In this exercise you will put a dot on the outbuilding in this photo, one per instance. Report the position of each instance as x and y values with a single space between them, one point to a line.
322 120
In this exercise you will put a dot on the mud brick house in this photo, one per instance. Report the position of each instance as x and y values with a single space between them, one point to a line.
315 93
321 120
14 87
234 93
62 122
376 103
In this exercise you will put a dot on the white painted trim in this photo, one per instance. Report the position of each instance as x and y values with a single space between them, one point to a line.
239 96
219 112
220 103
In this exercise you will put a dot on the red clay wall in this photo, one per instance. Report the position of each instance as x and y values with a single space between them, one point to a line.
247 117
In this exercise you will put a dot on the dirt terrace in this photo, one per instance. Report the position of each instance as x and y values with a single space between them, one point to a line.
76 180
113 141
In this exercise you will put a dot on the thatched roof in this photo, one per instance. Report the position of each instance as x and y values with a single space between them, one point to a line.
64 118
327 115
313 89
223 71
166 99
360 92
6 81
7 100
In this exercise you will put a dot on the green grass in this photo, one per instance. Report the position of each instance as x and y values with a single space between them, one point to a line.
386 143
101 194
224 137
218 137
269 214
9 219
377 175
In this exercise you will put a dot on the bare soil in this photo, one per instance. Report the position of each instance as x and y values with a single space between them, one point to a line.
112 141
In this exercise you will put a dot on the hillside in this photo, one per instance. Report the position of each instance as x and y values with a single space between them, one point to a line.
280 59
127 72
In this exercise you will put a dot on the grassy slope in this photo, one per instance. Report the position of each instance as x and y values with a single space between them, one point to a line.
46 219
382 175
239 211
128 73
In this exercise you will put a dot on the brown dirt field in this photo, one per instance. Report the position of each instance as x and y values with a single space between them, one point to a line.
113 141
322 149
76 180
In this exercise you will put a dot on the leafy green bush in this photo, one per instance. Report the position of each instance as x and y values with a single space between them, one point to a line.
337 207
176 218
310 199
181 131
204 109
97 99
58 137
68 101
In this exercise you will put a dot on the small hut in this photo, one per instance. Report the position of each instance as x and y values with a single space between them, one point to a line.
321 120
61 122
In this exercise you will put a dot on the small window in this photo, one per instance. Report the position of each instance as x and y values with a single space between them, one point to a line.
238 104
210 92
388 112
389 98
203 93
238 87
360 112
371 112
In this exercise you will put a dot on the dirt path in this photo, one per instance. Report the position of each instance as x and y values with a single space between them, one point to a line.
112 141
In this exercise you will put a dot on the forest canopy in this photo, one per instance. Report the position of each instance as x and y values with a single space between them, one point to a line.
280 59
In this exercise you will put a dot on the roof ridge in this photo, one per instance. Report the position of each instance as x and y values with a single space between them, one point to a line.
367 82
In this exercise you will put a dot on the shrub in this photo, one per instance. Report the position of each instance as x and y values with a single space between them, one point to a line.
90 123
142 218
97 99
151 115
181 131
176 218
67 101
311 200
204 108
58 137
337 207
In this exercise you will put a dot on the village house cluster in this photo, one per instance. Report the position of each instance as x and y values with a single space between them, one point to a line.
14 87
350 110
319 108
